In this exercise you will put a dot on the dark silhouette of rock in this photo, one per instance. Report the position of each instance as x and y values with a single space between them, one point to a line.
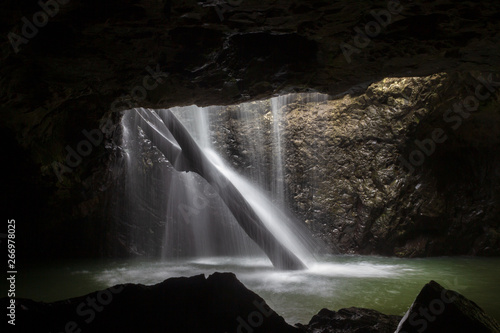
219 303
439 310
355 320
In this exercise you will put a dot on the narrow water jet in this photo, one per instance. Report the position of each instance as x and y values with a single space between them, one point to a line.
278 188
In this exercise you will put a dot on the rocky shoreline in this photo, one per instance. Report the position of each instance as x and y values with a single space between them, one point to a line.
221 303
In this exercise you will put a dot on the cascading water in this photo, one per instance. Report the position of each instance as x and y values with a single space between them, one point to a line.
196 221
170 213
278 188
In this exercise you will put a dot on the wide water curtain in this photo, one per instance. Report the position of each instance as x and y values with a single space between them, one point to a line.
214 209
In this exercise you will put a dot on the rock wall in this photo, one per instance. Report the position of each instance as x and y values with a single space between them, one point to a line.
349 172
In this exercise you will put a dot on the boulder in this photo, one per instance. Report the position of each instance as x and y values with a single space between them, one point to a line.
437 309
219 303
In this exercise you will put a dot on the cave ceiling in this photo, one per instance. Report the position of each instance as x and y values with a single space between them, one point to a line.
87 54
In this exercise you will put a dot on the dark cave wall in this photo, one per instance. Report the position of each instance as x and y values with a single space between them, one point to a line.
93 59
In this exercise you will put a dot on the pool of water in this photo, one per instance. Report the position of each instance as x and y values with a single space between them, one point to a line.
385 284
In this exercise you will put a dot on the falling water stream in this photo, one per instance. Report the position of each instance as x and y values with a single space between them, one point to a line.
268 206
197 222
176 217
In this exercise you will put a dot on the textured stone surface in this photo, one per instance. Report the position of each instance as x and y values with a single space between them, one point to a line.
345 178
66 78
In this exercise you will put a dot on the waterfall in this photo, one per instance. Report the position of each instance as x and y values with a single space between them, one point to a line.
278 124
244 143
166 212
278 188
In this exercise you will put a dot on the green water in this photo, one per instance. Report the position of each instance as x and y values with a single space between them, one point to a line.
385 284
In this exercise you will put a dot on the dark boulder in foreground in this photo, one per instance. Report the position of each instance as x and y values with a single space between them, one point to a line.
219 303
437 309
352 320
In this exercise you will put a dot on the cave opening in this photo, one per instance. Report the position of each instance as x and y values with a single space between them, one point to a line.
338 171
325 154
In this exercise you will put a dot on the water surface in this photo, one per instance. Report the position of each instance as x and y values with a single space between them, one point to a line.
388 285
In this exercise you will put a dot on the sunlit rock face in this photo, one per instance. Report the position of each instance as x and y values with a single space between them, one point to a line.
390 170
93 59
